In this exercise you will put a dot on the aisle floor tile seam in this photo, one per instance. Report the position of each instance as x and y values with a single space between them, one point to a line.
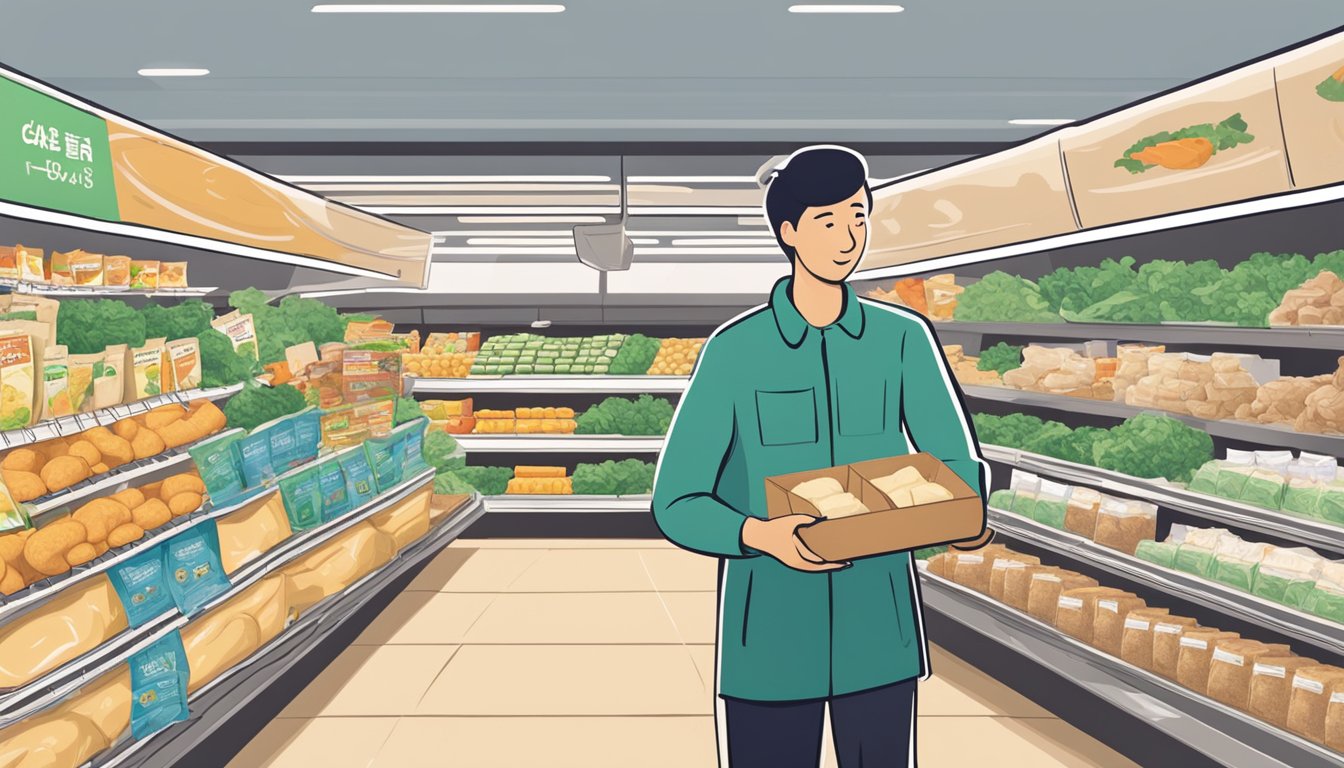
667 611
437 675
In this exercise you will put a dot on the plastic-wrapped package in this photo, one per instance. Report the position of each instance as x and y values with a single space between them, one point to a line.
1108 626
74 731
1326 600
1286 574
1166 648
1002 499
1080 516
235 630
70 624
1272 687
1045 589
1234 562
1205 479
1234 473
1313 687
1123 523
1161 553
1196 655
1330 504
1052 504
1076 610
1026 487
1004 563
1136 640
1231 667
1195 555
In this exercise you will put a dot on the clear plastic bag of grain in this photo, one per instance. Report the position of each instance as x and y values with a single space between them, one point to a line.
1167 643
1017 584
938 564
1272 686
1231 668
1076 611
1313 687
1081 515
1136 642
1045 589
971 569
1195 656
1108 624
1123 523
1004 563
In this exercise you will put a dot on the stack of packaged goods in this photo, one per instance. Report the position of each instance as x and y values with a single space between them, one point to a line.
528 354
541 481
1066 371
444 356
456 417
1309 485
526 421
966 368
79 268
1318 301
1264 680
1214 387
1113 522
935 297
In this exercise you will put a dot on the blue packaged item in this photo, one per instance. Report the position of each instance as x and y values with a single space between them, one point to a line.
331 485
192 564
413 438
307 426
159 678
253 453
385 456
142 587
285 451
358 477
302 497
216 460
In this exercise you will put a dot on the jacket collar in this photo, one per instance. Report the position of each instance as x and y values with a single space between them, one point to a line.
793 327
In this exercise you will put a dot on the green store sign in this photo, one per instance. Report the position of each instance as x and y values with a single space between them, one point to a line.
53 155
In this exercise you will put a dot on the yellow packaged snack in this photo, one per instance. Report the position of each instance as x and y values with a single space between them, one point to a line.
86 268
57 269
31 267
21 345
9 262
56 384
82 369
186 363
117 271
109 388
145 274
145 371
173 274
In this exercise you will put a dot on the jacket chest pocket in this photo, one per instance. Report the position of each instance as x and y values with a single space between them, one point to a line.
788 417
863 406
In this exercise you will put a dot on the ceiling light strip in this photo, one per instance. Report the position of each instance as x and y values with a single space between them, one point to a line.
692 180
335 179
530 220
448 210
727 241
173 72
439 8
853 8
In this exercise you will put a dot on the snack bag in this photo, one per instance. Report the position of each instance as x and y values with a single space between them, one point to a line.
82 370
55 384
1161 553
145 366
332 486
57 271
117 271
217 462
302 497
19 361
32 267
358 477
172 274
109 387
1025 487
1052 504
159 678
386 458
144 275
241 332
1235 562
195 574
1205 480
185 355
9 262
86 268
141 584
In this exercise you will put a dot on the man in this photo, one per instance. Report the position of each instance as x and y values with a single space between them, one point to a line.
816 378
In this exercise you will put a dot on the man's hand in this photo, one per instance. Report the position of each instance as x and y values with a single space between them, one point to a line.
779 539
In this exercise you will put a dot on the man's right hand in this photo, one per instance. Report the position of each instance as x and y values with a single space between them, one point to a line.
779 539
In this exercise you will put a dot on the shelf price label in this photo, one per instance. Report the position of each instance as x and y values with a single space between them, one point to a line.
53 155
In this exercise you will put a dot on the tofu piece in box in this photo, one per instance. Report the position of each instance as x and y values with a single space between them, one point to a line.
884 528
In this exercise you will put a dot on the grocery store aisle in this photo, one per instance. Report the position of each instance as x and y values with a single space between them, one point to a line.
509 652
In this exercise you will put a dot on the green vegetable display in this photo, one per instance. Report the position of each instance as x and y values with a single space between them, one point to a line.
645 415
294 321
927 552
1075 289
490 481
1223 136
1000 297
408 409
614 478
87 327
257 405
635 356
221 366
530 354
451 483
1001 357
180 321
438 450
1332 87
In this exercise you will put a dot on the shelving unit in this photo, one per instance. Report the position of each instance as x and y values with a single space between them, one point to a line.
520 503
1306 337
106 417
551 385
548 444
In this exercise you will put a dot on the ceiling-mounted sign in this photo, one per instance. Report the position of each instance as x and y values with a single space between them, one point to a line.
53 155
1310 84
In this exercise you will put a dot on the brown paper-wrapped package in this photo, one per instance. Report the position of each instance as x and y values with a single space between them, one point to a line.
1334 722
1136 639
1108 624
1272 686
938 564
1017 584
971 569
1312 689
1076 609
235 630
1004 563
1231 668
1045 589
1196 655
1167 643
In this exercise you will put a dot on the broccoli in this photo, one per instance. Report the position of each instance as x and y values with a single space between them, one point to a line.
490 481
451 484
190 318
439 449
614 478
619 416
635 356
87 327
294 321
408 409
221 366
257 405
1001 357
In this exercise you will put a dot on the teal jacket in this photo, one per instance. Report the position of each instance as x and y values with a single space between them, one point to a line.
773 395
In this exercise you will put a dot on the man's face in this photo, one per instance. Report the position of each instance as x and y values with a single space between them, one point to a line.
830 239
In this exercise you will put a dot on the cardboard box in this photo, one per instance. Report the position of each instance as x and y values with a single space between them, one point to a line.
885 529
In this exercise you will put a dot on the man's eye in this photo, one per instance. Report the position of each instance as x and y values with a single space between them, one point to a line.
860 223
830 226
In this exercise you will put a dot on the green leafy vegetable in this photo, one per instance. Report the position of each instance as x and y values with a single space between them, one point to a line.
635 356
645 415
1225 135
490 481
1003 298
408 409
221 366
1149 445
452 484
294 321
257 405
927 552
86 327
438 451
613 478
180 321
1074 289
1001 357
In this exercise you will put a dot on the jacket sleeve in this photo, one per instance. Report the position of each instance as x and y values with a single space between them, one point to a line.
932 411
685 506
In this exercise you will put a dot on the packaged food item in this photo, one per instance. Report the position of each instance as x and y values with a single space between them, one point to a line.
386 456
86 268
1232 666
158 686
241 331
1166 649
1195 654
1076 610
185 355
109 387
1025 487
224 638
1045 589
1326 600
1233 474
9 262
358 477
252 530
307 435
141 584
1108 626
1334 722
252 453
938 564
358 330
173 274
83 371
1001 499
406 521
1161 553
352 425
1080 517
302 495
12 516
144 274
117 271
1004 563
1272 686
32 264
1052 503
453 343
195 573
73 622
1312 689
218 462
21 346
1017 584
412 434
57 270
46 311
1136 637
286 452
1196 551
55 384
328 569
145 369
1123 523
370 375
1235 560
333 489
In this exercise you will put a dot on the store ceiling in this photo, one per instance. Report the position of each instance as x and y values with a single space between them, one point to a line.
702 70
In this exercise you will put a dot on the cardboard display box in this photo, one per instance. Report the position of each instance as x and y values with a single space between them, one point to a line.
884 529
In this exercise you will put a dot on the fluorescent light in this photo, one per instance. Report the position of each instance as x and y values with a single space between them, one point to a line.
173 72
1041 121
845 9
697 233
449 210
531 219
513 251
441 179
692 179
447 233
520 241
644 240
438 8
728 241
680 210
774 251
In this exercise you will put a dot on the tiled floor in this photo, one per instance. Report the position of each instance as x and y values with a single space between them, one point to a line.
587 653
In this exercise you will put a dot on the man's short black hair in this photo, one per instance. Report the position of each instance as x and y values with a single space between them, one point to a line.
813 177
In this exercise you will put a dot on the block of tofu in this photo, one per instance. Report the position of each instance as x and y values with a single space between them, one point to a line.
904 477
252 531
819 488
69 625
900 497
929 493
841 505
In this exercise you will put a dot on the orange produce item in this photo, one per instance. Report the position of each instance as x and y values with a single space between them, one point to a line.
1181 154
911 291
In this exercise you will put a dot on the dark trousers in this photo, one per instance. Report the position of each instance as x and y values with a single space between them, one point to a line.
872 729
